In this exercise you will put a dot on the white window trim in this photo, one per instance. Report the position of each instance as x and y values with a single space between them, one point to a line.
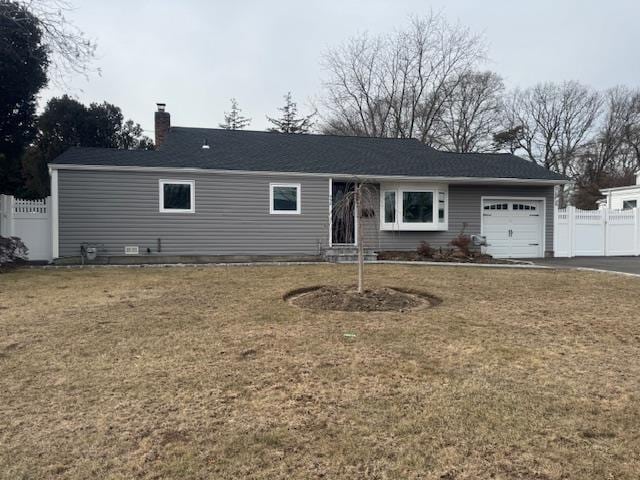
298 209
399 224
191 183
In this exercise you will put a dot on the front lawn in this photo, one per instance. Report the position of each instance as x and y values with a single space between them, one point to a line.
207 373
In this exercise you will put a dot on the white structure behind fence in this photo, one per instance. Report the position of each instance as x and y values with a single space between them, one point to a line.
596 232
30 220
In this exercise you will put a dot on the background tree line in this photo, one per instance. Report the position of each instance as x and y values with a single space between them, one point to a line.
426 82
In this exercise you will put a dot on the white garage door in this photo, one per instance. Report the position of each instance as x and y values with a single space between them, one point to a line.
513 228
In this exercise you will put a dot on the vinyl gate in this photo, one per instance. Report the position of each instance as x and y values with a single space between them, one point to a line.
596 232
30 220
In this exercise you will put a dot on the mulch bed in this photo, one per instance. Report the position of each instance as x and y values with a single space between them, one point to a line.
412 256
347 299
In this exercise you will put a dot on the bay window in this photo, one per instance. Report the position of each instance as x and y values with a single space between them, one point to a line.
389 207
413 207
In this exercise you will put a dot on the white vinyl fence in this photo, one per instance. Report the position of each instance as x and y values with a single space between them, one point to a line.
30 220
596 232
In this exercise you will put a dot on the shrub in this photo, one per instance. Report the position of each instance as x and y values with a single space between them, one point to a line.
12 250
462 242
424 249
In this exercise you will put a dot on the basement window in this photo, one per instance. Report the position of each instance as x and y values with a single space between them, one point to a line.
284 198
177 196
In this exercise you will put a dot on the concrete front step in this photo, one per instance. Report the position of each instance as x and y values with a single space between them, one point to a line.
351 258
348 254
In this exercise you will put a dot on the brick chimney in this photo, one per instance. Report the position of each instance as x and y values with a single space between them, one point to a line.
162 124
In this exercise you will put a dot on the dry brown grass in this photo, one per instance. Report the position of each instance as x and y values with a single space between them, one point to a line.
207 373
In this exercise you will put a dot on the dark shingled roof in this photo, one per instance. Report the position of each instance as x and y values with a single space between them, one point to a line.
277 152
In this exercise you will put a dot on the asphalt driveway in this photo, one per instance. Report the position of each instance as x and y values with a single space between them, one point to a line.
612 264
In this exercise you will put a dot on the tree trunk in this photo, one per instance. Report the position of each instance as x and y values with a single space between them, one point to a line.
359 238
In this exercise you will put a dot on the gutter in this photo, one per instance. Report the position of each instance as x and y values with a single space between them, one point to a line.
479 180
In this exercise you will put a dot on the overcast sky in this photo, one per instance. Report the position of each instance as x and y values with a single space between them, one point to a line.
195 55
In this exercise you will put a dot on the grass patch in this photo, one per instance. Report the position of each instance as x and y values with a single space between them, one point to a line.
208 373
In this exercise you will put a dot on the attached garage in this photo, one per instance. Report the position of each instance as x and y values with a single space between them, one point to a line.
514 227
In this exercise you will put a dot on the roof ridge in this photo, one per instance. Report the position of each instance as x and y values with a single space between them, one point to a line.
481 153
110 149
305 134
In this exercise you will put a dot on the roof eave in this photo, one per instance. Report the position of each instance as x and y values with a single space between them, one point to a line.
448 179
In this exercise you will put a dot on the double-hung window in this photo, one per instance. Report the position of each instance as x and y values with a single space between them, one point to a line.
177 196
284 198
413 207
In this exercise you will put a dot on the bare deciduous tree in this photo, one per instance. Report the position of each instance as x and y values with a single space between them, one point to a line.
472 114
396 85
610 157
552 123
69 49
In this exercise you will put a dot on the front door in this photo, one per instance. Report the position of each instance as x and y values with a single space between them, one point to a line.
342 219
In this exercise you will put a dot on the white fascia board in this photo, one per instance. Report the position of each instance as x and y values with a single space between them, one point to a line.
409 178
620 189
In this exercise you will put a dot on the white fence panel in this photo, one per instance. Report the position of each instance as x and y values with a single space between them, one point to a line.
562 234
621 232
589 236
596 232
30 220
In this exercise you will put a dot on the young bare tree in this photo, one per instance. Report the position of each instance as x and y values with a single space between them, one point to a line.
472 114
361 200
234 120
396 85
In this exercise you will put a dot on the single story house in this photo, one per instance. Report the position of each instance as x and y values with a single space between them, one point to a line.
622 198
224 194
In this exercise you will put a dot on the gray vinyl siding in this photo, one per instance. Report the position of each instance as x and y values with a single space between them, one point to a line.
464 207
114 209
231 216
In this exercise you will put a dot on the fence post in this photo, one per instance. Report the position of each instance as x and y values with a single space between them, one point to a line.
605 230
12 216
636 233
571 222
555 229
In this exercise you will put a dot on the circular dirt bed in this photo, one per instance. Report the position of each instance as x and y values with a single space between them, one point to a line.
347 299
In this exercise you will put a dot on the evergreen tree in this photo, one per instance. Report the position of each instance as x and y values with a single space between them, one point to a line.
289 122
23 72
65 123
233 120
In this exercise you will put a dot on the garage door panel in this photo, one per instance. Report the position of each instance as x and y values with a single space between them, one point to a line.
514 231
